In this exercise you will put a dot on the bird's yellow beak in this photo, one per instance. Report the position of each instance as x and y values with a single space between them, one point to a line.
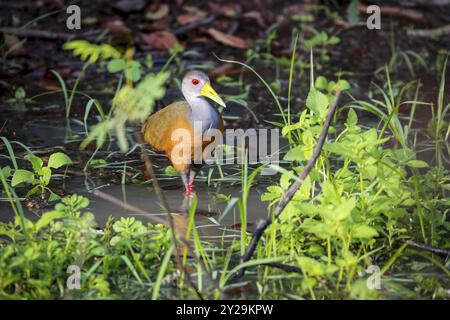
209 92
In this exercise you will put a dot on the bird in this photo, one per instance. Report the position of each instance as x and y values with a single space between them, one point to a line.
194 116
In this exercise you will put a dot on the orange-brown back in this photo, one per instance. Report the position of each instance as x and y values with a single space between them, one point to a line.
160 126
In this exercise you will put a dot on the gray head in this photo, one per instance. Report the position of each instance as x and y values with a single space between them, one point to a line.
196 84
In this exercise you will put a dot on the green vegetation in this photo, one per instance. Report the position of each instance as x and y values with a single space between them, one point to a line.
367 205
37 267
40 177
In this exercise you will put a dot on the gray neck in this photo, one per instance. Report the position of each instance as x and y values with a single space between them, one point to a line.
203 112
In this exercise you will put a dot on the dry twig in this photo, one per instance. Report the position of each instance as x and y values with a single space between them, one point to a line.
262 226
50 35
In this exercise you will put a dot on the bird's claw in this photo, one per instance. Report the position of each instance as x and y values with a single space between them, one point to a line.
189 192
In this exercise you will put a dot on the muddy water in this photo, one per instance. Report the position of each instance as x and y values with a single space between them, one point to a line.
212 220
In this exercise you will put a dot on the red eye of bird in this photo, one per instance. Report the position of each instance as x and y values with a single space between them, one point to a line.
195 82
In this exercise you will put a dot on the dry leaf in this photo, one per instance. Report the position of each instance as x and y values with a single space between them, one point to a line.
192 15
228 39
227 10
128 6
226 70
161 24
157 12
257 16
160 40
189 18
115 26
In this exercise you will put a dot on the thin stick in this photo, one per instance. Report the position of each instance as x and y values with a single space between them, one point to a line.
426 247
128 206
151 173
163 202
50 35
284 267
193 25
155 219
160 195
262 226
410 14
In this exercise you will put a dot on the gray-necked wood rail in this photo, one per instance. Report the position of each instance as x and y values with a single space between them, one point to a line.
191 117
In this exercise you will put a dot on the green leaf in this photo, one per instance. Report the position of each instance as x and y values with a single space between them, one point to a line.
273 192
342 211
53 196
417 164
334 40
20 94
352 118
58 159
321 230
6 171
364 232
288 128
170 171
91 51
321 83
317 102
46 174
20 176
149 61
343 85
47 218
340 149
352 12
296 154
310 266
116 65
133 71
33 191
308 283
35 161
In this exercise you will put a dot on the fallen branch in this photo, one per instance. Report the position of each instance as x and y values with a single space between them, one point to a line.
50 35
426 247
128 207
409 14
160 195
262 226
193 25
284 267
158 220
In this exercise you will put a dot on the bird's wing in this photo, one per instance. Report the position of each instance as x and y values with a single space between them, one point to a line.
158 126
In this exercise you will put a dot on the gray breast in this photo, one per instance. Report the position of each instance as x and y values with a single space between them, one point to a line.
204 116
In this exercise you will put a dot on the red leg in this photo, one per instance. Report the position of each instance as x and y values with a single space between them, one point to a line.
188 186
190 183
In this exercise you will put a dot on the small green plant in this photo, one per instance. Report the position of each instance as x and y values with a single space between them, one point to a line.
132 69
356 200
112 263
89 53
20 99
41 175
321 42
131 104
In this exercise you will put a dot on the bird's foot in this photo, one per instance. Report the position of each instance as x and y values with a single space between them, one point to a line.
189 192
